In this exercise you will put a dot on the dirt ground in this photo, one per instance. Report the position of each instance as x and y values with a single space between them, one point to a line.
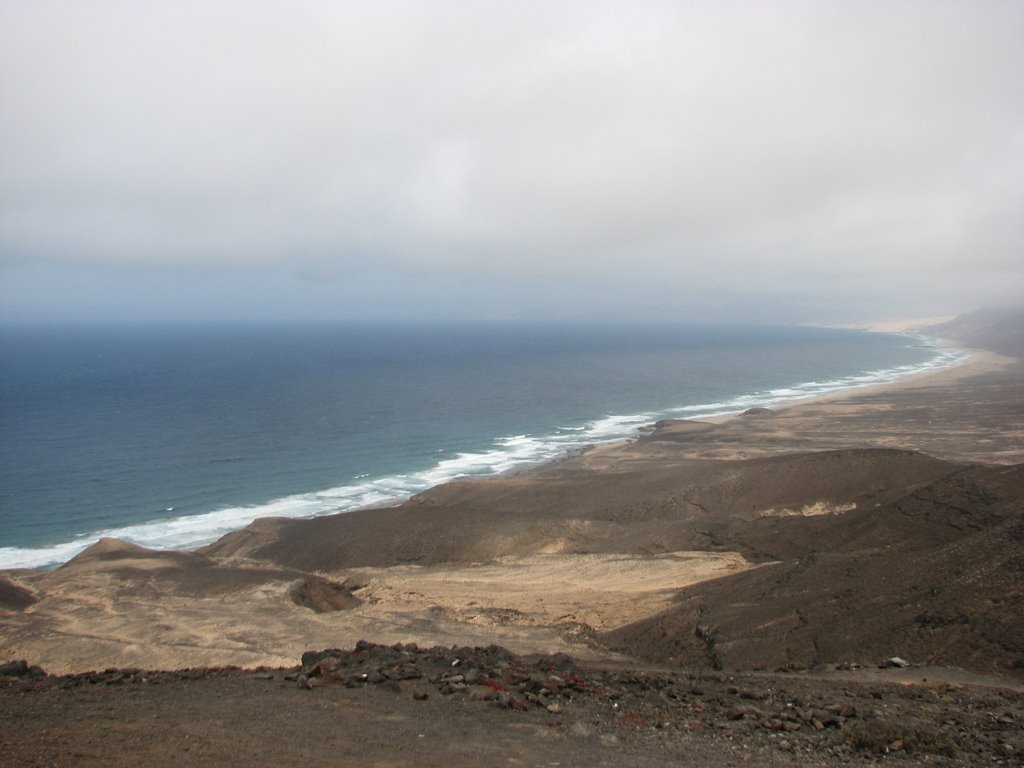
382 706
119 606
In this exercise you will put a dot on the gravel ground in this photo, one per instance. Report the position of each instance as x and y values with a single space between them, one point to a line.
401 705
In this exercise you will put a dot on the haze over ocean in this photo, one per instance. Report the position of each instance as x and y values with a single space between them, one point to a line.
548 187
172 436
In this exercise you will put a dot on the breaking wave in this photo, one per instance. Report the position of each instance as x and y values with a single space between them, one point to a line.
508 453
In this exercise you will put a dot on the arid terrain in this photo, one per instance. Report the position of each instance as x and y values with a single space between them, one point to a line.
716 593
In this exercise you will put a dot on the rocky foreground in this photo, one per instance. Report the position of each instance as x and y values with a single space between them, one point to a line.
404 705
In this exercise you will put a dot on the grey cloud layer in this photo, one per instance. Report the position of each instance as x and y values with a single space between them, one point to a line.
812 152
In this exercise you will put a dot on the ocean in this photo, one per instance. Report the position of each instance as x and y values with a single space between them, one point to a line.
173 436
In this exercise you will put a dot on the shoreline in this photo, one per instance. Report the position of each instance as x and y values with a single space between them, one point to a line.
68 549
979 400
975 362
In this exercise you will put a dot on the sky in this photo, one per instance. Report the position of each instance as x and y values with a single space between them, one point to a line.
488 161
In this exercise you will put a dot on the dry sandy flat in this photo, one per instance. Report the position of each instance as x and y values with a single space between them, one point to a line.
570 591
129 612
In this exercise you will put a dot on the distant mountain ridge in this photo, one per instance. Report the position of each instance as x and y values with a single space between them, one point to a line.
1000 329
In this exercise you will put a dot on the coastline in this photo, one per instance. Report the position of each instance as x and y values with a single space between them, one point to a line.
975 362
165 532
570 555
969 412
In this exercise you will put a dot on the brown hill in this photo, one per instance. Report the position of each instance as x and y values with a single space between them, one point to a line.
137 570
999 328
686 506
869 553
936 576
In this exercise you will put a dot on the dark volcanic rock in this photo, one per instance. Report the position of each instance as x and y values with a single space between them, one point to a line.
14 668
323 596
14 597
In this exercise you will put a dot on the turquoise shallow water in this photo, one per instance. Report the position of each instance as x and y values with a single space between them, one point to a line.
172 437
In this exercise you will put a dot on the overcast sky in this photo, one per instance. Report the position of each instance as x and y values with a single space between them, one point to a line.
789 161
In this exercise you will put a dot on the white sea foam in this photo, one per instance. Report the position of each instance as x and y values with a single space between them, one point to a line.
507 453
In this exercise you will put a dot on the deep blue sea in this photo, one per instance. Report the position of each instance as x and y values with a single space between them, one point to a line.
171 437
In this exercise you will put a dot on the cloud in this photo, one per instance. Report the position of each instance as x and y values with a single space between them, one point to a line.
807 154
